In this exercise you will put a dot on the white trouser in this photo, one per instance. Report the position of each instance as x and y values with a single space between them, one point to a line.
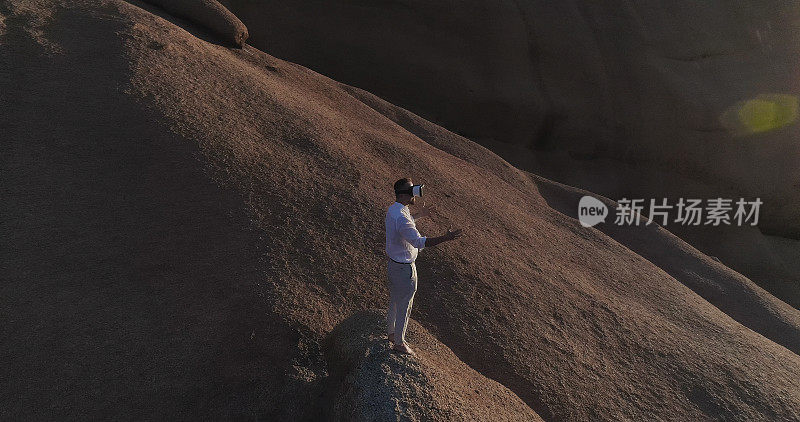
402 286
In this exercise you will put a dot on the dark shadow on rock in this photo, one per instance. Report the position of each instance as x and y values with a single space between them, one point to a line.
138 271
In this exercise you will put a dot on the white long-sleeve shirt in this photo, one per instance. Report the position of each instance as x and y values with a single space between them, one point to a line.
403 240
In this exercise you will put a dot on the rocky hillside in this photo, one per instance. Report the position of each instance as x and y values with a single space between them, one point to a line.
196 231
649 99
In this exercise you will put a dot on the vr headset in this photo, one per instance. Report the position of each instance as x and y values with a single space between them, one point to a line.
415 190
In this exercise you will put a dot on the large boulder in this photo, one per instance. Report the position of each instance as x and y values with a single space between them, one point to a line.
209 14
645 99
652 83
369 382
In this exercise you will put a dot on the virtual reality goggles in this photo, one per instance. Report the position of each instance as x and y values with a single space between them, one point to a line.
415 190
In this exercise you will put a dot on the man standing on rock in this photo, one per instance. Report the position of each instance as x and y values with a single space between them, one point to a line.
403 241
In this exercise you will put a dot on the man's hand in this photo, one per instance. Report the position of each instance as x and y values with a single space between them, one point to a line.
450 235
453 234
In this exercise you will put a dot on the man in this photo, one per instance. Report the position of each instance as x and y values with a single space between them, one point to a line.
403 242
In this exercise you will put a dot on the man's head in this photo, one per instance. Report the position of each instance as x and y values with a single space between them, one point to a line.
404 184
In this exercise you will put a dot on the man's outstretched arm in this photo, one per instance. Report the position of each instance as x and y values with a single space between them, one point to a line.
410 233
450 235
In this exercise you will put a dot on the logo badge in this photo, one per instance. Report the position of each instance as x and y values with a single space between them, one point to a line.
591 211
